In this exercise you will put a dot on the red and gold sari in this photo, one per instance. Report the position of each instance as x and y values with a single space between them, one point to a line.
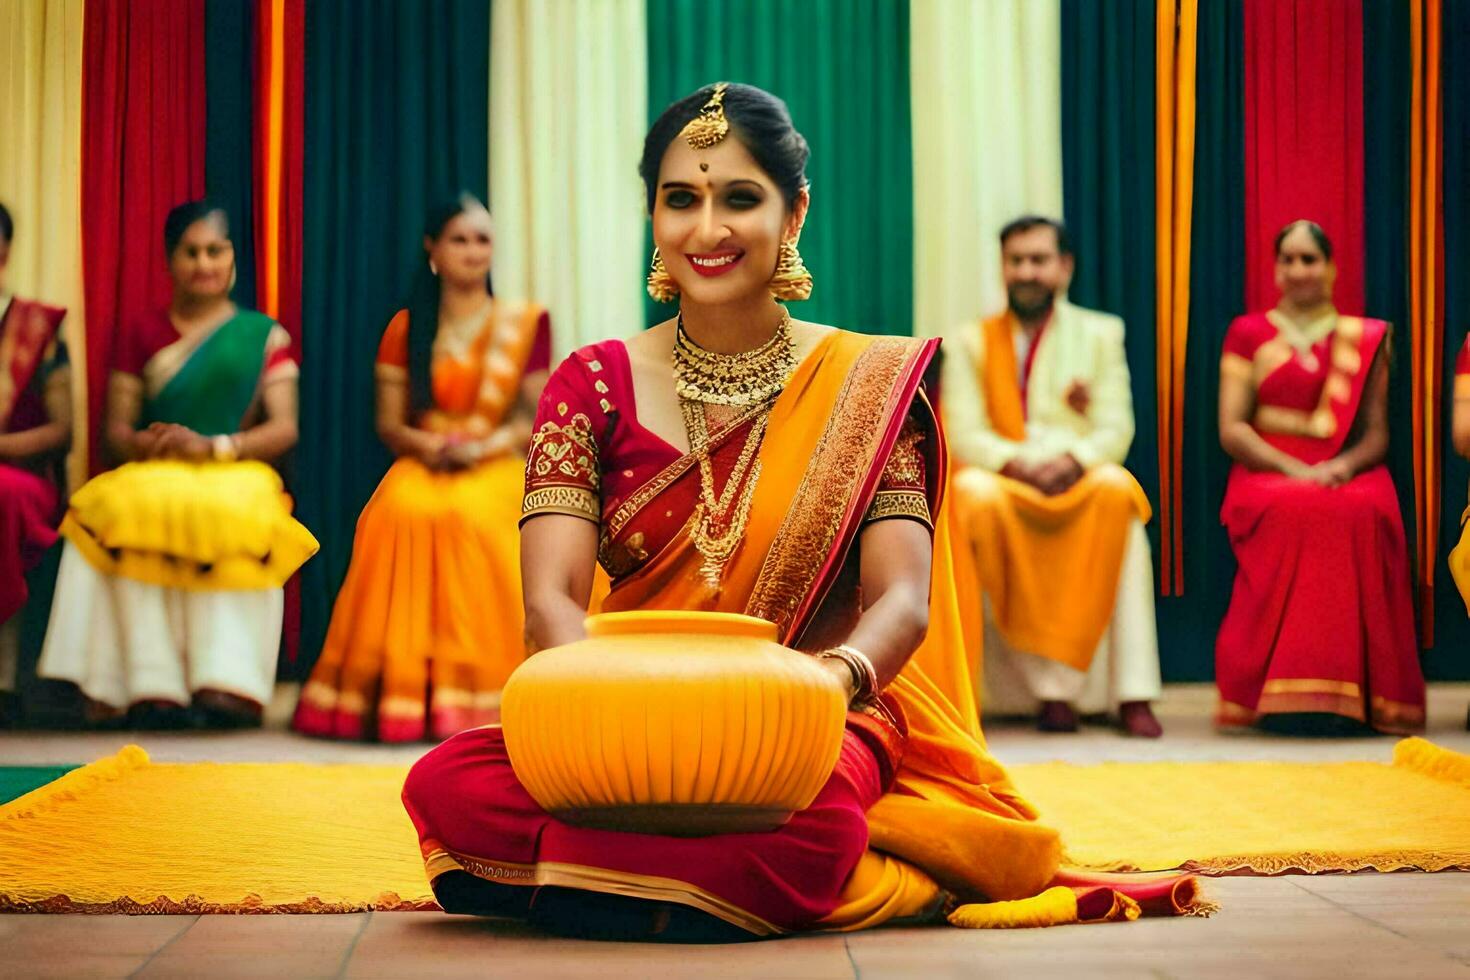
915 803
427 624
28 490
1460 555
1321 618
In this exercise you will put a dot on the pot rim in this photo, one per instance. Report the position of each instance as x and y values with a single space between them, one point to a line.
664 621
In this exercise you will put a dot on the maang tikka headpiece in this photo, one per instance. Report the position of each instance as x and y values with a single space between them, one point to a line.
710 126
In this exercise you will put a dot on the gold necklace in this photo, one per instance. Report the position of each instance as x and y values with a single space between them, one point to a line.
734 379
704 379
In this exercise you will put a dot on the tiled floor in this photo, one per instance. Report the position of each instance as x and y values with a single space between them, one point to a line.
1401 925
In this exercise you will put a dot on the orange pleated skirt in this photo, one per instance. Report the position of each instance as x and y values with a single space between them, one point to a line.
428 623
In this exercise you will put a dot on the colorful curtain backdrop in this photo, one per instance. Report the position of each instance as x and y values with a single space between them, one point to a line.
41 170
843 68
143 124
1304 135
1187 624
396 118
1387 107
568 87
1452 632
230 137
987 146
1175 44
932 122
1109 179
1426 291
280 78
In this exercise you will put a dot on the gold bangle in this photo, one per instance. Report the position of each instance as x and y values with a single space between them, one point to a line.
864 676
224 449
868 683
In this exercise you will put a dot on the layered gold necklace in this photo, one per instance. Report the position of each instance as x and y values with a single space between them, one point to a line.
710 383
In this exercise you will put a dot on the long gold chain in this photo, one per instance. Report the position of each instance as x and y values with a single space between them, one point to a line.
719 520
703 380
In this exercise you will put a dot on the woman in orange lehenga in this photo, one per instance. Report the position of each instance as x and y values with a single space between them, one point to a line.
786 470
1319 636
428 623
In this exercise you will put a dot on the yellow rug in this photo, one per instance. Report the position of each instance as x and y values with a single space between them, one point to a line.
126 835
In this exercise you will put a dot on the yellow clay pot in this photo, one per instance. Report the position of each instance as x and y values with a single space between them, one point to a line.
683 723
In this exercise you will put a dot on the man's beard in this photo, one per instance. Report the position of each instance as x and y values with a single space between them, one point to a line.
1030 310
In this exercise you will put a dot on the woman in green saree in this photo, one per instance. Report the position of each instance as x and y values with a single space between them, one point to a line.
170 590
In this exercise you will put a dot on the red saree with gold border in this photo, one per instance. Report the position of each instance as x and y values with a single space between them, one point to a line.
1321 618
28 493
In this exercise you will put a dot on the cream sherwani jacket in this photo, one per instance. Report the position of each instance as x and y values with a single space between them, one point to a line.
1077 345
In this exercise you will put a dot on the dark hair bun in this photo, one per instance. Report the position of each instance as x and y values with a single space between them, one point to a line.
181 217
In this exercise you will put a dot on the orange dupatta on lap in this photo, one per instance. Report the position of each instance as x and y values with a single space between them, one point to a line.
1029 548
951 810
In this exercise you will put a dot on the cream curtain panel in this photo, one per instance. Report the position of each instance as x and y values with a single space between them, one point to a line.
568 103
986 89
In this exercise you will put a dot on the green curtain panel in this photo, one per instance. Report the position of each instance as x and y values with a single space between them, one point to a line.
843 68
397 109
229 141
1451 627
1108 68
1386 115
1187 624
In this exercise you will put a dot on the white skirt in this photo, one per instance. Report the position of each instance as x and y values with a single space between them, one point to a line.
123 641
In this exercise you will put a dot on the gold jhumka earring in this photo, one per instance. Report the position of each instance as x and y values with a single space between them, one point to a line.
661 285
792 279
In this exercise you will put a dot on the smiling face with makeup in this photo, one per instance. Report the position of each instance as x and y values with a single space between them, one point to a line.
719 220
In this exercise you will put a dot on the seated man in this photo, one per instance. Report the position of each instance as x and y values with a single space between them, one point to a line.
1039 416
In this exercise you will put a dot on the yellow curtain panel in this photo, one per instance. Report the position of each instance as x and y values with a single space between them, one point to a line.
41 171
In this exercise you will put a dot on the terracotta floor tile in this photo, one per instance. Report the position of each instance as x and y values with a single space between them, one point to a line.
38 937
452 946
224 946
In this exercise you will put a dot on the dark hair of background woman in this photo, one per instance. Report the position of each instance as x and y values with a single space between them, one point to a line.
181 217
1324 244
757 118
423 301
7 225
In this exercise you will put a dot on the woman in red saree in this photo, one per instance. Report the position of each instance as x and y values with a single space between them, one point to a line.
784 470
35 430
1321 625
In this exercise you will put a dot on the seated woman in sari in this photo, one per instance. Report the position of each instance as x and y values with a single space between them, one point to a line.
35 431
785 470
1460 436
428 624
170 587
1319 635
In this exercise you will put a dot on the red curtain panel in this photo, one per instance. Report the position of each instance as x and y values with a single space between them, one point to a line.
1304 136
143 114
